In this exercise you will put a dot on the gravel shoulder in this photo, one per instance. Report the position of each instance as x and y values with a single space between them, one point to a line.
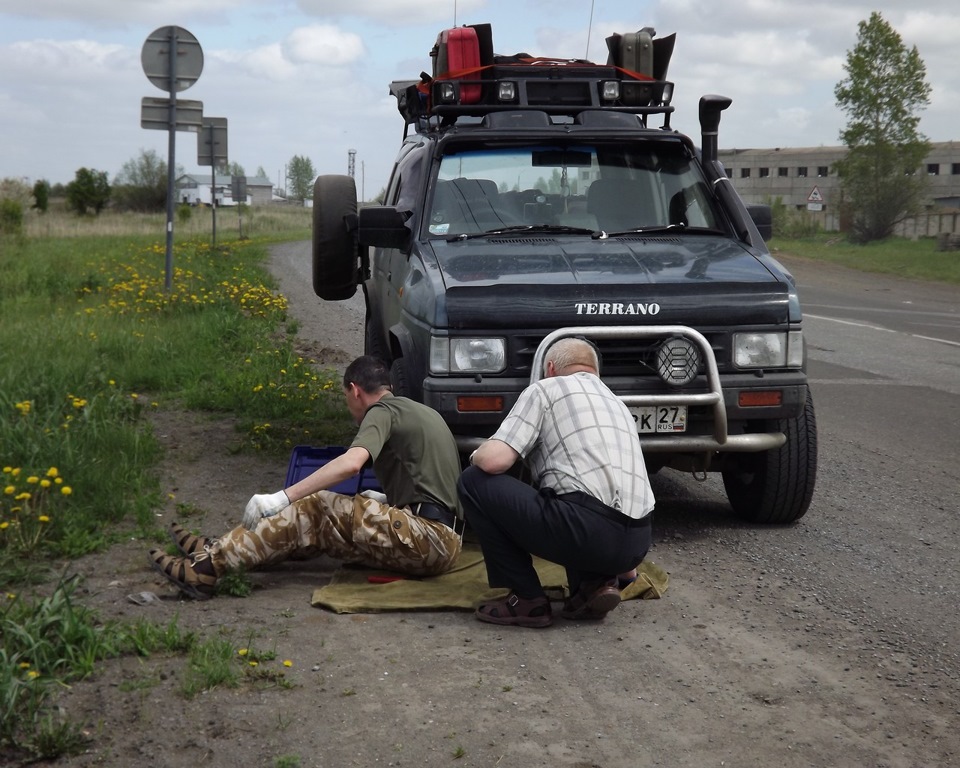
763 651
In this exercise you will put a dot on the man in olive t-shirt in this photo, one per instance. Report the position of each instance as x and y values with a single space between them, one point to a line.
411 528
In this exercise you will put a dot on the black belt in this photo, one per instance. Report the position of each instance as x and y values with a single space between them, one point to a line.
595 505
435 512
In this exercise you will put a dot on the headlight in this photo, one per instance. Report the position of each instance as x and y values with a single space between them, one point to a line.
678 361
768 350
467 355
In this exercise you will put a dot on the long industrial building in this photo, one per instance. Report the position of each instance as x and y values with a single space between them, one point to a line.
806 179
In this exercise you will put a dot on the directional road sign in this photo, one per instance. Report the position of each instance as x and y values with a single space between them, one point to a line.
155 113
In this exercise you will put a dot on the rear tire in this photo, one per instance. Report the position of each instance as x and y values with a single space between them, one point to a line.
335 254
776 486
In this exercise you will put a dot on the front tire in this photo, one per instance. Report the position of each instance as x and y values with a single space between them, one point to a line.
398 378
776 486
372 345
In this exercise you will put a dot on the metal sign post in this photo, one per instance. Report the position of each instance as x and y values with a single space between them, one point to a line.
238 191
212 151
172 60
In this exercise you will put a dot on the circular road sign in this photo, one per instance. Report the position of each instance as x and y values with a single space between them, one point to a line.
157 61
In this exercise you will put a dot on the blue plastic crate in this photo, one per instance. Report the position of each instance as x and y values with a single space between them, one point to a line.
306 459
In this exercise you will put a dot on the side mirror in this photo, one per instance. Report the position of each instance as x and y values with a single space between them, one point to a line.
383 226
762 218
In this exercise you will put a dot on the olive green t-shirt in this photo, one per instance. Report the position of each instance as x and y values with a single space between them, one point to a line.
414 453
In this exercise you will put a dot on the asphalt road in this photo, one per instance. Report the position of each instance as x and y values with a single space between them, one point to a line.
831 642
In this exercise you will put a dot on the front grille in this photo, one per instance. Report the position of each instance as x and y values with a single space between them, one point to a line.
634 358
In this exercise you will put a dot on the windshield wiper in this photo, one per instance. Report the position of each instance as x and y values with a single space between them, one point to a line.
645 231
518 228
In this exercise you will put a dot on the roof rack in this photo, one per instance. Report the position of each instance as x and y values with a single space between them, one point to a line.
564 89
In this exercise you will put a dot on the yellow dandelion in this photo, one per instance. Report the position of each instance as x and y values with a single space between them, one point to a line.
242 652
33 674
43 519
287 663
66 490
22 496
53 472
45 483
24 665
33 480
11 596
7 470
3 526
10 490
134 395
253 663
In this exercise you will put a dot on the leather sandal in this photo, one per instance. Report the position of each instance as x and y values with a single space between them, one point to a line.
592 602
194 576
516 611
187 542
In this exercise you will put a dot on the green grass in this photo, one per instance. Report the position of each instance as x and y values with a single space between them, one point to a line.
90 343
914 259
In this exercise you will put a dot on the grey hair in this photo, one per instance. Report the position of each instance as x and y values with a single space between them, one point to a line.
571 351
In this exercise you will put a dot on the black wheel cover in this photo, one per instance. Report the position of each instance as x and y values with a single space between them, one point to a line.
334 246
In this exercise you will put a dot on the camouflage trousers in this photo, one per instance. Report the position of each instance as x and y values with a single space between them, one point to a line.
350 528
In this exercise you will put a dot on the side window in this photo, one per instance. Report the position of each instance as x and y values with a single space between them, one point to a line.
403 185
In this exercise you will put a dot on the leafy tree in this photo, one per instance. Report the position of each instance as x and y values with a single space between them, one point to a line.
232 169
11 216
141 184
884 88
301 174
261 171
89 189
41 195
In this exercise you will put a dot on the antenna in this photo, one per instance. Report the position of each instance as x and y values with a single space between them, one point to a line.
454 12
589 30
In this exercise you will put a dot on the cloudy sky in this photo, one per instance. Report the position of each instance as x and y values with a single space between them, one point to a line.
310 77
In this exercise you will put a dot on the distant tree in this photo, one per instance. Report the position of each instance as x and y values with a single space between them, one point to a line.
41 195
232 169
261 171
89 190
884 88
301 174
141 184
58 190
11 216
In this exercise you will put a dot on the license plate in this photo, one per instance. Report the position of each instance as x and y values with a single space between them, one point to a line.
657 419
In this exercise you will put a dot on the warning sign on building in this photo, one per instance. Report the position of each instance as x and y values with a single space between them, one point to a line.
815 196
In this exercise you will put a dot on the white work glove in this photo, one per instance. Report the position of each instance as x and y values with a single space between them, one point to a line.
375 495
263 505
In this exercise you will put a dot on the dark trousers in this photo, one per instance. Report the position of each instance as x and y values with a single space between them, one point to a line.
514 521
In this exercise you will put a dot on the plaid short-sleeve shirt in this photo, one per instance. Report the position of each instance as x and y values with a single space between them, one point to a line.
577 435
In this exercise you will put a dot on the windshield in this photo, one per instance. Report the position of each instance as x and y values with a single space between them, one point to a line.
609 188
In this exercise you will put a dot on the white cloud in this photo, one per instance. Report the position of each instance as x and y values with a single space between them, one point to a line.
323 45
402 12
116 12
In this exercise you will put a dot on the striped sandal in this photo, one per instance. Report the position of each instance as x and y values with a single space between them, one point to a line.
187 542
194 576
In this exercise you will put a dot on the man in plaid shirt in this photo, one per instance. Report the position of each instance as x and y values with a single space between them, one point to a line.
588 508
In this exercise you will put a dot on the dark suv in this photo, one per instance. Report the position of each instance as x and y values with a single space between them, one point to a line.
550 207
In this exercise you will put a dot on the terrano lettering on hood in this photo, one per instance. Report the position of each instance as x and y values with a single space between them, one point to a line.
613 308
